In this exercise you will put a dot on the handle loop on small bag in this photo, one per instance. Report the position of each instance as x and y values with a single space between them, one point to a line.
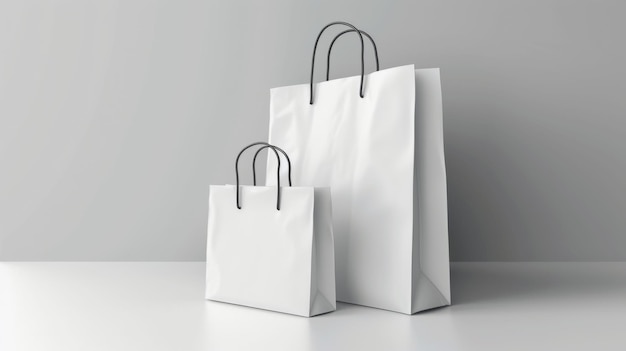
330 48
257 154
274 148
315 50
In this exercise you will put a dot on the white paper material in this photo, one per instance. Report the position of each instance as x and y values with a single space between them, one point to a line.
261 257
382 156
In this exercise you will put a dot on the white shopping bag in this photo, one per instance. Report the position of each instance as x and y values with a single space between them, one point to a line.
377 141
271 247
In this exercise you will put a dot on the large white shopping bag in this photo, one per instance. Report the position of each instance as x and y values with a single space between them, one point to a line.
271 247
377 141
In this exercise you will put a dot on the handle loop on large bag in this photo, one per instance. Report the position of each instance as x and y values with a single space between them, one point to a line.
330 49
315 50
274 148
256 154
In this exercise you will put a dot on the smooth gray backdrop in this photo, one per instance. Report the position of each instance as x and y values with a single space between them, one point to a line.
115 116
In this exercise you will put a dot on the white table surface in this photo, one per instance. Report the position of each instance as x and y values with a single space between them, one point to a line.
160 306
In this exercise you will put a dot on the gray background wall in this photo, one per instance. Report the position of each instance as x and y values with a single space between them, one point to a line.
115 116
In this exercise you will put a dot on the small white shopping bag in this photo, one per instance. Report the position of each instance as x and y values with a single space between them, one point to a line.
271 247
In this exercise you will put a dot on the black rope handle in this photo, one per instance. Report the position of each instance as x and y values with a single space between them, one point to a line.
257 154
277 172
337 37
315 50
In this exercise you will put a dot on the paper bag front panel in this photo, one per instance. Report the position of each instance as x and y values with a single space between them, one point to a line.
258 256
363 148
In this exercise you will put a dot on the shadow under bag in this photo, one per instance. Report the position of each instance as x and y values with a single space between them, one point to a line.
377 141
271 247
